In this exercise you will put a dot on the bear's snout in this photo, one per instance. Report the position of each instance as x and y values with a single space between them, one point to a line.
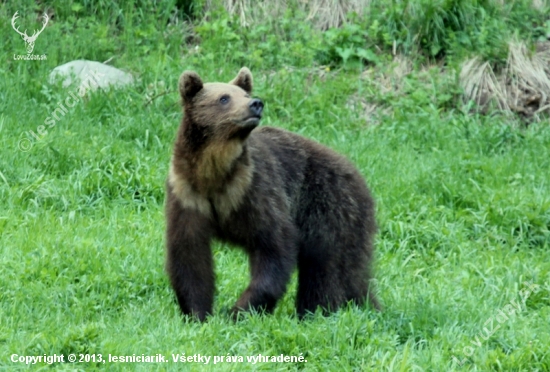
256 107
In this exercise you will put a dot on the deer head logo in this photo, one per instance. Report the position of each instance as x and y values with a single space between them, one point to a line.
29 40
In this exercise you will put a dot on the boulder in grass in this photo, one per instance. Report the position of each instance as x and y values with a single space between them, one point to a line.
90 75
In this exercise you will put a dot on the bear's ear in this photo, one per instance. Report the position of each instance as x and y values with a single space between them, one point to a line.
190 84
243 80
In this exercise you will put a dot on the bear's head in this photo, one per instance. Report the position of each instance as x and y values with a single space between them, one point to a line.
220 111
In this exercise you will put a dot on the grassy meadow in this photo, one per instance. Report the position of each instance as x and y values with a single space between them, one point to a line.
463 196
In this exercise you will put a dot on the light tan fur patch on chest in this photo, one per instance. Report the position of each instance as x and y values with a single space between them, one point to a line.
232 196
215 161
225 198
188 197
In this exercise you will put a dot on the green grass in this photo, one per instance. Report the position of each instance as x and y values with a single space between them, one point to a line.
463 207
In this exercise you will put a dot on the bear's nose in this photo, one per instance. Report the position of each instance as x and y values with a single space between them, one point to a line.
256 106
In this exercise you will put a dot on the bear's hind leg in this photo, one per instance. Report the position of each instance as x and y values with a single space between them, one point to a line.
272 258
318 285
359 289
334 270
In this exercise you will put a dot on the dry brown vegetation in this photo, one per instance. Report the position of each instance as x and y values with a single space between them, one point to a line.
522 87
323 14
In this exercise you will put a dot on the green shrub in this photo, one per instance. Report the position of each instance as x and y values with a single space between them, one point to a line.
274 43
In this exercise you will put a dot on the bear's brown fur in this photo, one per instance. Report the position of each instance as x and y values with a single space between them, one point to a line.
288 201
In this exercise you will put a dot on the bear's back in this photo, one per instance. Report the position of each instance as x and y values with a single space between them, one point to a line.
301 157
314 176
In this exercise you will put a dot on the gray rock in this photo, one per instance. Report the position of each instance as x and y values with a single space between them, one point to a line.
90 75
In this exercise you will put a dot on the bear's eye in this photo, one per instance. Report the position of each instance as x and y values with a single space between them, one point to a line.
224 99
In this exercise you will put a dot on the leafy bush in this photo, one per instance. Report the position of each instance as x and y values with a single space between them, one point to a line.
287 41
348 45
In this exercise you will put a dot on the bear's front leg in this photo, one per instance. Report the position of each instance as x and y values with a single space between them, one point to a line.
189 259
272 258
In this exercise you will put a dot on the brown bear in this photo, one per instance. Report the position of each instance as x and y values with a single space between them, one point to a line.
288 201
